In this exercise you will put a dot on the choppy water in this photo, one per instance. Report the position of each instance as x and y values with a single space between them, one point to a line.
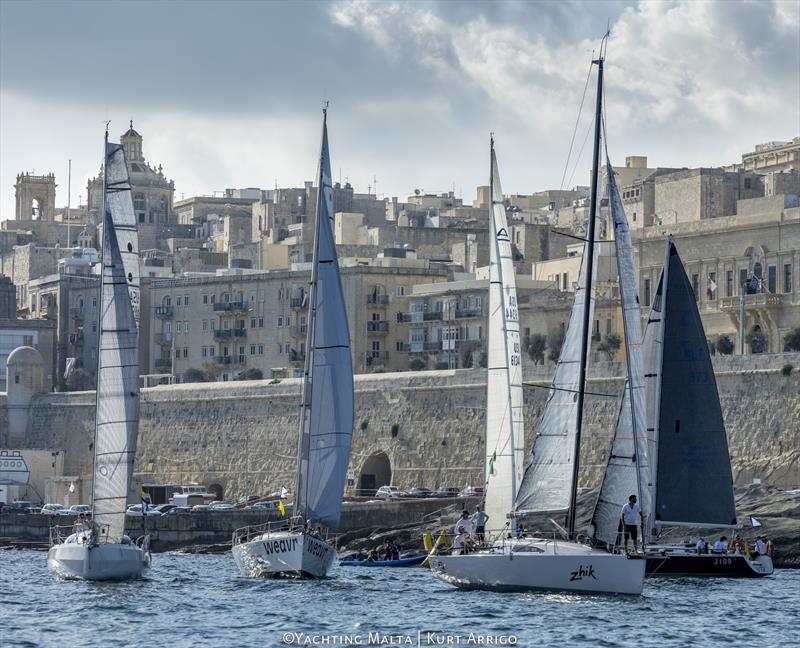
199 600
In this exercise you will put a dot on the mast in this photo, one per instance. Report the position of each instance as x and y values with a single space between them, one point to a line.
305 403
100 308
586 310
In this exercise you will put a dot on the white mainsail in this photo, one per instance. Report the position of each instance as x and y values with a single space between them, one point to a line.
627 472
326 415
117 405
546 485
505 435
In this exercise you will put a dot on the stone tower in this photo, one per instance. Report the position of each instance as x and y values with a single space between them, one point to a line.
132 143
36 197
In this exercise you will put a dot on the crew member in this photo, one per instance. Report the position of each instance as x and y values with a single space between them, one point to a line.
631 513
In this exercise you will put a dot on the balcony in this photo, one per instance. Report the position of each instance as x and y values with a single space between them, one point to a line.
420 317
298 331
164 363
297 302
227 360
163 339
377 358
229 334
757 301
231 307
164 312
378 327
469 312
377 300
420 347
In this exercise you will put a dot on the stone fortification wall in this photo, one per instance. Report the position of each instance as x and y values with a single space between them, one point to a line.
242 435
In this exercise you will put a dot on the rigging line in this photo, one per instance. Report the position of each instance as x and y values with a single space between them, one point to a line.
578 158
575 130
571 391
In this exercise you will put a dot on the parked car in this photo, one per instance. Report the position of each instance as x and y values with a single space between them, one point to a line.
418 492
201 508
471 491
247 499
178 510
136 509
80 508
222 506
263 506
23 506
54 509
164 508
388 492
446 491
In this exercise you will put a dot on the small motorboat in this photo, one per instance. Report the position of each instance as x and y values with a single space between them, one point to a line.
411 561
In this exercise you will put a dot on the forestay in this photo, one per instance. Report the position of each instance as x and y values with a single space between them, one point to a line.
117 413
505 435
546 485
694 482
627 472
326 422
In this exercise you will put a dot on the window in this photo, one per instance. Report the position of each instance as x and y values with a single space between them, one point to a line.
186 300
646 292
240 324
401 290
205 325
177 353
167 301
139 204
260 349
564 281
205 299
94 302
280 322
288 320
399 346
742 280
178 300
186 327
747 183
185 352
205 352
287 347
711 289
213 298
772 279
787 277
178 327
226 324
376 317
168 327
260 322
253 323
696 285
376 346
729 283
225 351
252 349
213 324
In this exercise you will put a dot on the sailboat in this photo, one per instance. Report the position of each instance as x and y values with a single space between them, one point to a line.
690 482
298 547
101 550
549 481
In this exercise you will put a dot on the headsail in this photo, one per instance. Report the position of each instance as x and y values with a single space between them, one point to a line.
326 417
694 482
505 436
546 485
627 472
117 413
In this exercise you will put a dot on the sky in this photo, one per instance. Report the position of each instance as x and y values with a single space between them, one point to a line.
229 94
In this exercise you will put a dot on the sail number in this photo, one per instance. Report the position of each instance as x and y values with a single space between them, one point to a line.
515 355
723 561
511 309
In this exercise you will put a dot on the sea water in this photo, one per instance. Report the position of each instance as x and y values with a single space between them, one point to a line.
200 600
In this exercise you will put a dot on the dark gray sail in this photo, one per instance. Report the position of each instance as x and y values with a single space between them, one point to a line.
694 483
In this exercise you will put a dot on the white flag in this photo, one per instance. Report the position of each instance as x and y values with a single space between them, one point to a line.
755 522
284 492
71 488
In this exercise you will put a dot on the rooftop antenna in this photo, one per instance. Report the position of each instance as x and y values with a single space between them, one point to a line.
375 185
69 191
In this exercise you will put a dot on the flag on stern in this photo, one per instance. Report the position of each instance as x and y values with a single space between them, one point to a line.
755 522
281 508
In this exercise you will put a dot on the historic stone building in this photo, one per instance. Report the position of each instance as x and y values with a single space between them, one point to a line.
35 197
151 191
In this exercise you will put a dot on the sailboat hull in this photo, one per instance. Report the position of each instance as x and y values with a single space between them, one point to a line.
98 563
708 565
288 554
565 568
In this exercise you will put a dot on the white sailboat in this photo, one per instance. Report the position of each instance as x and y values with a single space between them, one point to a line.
104 552
550 478
298 547
691 482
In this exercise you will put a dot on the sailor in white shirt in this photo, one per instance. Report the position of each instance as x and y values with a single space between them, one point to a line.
721 545
760 545
631 513
465 523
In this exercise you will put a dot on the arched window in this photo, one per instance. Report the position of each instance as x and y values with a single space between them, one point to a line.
139 203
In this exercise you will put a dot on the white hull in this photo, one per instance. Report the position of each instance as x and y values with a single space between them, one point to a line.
563 567
284 554
101 562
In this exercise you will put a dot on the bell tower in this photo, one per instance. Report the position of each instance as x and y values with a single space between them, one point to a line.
132 143
36 197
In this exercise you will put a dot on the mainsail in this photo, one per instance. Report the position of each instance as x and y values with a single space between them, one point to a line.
117 407
546 485
504 418
326 416
693 480
627 472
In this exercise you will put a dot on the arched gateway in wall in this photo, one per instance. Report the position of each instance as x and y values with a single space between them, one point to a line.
376 471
